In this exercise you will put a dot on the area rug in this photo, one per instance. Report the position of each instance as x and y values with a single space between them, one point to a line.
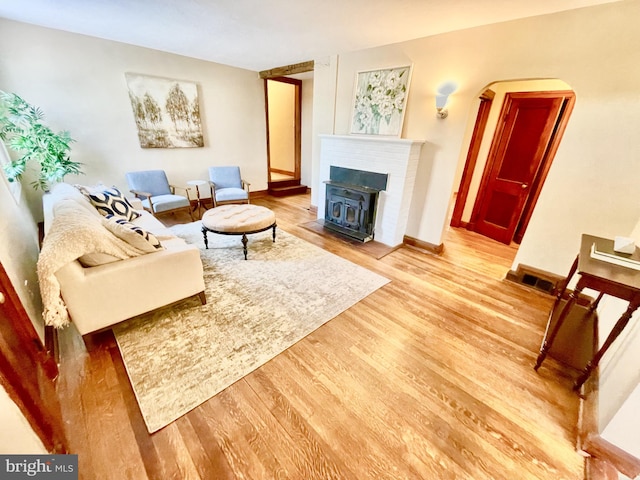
179 356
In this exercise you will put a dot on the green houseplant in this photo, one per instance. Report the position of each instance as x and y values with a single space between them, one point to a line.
22 130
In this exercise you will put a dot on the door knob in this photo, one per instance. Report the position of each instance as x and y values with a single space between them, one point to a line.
524 185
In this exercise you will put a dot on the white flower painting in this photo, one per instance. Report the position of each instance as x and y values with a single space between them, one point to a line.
380 101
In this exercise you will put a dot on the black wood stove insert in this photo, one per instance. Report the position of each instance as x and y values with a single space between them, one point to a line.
352 200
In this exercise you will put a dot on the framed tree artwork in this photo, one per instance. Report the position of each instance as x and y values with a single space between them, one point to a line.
380 101
166 112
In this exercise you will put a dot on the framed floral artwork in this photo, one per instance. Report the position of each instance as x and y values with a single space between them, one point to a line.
380 101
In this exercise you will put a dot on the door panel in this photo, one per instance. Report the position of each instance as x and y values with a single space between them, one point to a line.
500 208
516 156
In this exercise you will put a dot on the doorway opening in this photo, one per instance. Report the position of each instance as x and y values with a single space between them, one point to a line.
283 100
517 131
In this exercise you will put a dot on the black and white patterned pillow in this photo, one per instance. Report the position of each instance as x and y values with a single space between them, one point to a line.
110 201
132 234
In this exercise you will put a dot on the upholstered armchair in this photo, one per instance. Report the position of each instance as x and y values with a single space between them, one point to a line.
155 192
227 186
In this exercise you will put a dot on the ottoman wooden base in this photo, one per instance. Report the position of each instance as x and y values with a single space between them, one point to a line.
238 220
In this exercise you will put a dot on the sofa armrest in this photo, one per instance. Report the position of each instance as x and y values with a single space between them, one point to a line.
98 297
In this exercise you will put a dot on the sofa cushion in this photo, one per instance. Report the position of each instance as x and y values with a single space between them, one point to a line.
151 224
110 201
96 259
132 234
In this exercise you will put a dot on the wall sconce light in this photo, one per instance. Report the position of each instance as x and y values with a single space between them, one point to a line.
442 97
441 106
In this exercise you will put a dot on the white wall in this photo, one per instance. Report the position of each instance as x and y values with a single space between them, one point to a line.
624 427
79 83
306 147
16 435
325 71
19 250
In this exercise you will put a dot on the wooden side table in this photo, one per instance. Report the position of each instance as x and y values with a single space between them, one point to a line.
198 184
604 277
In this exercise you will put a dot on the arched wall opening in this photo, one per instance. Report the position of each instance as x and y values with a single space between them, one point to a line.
485 129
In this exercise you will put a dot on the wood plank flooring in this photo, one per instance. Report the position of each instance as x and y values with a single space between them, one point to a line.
430 377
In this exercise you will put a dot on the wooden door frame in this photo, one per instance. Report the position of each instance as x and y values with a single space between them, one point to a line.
41 409
297 127
541 175
486 100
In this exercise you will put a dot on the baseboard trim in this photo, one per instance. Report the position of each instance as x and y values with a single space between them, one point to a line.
430 247
600 450
259 194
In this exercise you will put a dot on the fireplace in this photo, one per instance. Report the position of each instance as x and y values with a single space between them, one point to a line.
396 158
351 201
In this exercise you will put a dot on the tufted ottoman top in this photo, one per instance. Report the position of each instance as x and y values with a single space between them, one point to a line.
243 218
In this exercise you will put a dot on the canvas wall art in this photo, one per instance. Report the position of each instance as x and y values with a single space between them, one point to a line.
380 101
166 112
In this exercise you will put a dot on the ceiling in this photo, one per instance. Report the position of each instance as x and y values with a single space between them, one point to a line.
264 34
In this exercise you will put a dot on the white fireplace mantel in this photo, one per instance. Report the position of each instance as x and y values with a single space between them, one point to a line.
396 157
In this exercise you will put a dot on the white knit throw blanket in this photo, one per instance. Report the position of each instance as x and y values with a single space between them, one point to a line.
74 232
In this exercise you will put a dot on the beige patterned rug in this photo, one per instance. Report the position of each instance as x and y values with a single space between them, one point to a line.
179 356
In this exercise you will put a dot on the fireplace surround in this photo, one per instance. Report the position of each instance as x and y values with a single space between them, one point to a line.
395 157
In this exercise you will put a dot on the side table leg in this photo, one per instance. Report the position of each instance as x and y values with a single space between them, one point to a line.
244 245
595 304
617 329
562 287
274 233
199 201
206 241
548 341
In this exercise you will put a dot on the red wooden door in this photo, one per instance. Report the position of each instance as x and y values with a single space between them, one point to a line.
519 147
27 372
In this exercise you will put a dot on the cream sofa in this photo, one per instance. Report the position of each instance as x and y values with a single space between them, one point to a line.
115 289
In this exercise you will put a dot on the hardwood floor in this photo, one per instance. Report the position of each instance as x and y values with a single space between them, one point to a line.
430 377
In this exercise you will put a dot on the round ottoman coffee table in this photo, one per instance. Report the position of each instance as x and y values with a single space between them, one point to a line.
242 220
